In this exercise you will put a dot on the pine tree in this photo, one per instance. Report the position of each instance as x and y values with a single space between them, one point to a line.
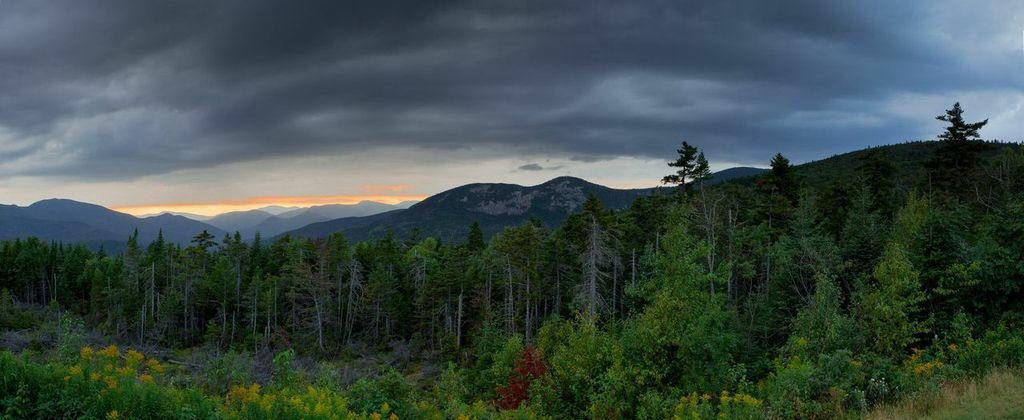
701 170
782 178
203 240
952 166
878 173
890 307
958 129
687 164
475 239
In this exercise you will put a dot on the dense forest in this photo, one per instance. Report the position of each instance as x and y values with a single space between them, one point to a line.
771 296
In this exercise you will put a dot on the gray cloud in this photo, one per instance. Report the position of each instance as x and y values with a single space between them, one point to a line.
119 89
535 167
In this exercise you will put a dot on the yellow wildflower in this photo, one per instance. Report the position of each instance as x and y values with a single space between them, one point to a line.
748 400
385 408
267 402
134 356
154 366
393 416
110 351
463 417
75 370
86 352
146 378
95 376
124 371
953 348
243 394
111 382
375 416
113 415
916 355
928 367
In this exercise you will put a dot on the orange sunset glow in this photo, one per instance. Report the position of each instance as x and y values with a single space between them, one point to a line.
224 206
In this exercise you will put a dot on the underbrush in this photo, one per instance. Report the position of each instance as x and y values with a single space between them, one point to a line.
110 383
1000 394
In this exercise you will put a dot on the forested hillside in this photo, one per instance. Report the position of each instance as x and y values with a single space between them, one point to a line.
827 290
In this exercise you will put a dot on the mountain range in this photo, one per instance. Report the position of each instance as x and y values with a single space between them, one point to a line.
73 221
268 224
446 215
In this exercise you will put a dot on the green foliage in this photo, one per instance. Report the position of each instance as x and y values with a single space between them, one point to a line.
100 386
1000 347
822 326
225 370
389 389
70 337
578 353
284 373
890 307
827 385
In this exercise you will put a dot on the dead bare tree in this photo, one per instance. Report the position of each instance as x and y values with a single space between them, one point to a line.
510 301
596 257
355 290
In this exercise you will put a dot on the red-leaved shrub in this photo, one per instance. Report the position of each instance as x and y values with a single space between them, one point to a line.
529 365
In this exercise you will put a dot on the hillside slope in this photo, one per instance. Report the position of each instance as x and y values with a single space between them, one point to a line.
908 158
448 215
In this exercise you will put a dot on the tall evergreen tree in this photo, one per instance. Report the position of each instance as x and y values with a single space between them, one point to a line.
686 163
952 166
878 173
475 239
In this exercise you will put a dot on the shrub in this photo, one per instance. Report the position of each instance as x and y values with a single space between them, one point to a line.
390 389
530 365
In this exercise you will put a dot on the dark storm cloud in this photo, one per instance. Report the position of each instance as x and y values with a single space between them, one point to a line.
114 89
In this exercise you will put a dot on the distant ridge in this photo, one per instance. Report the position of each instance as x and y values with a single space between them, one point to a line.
192 216
248 223
72 221
734 173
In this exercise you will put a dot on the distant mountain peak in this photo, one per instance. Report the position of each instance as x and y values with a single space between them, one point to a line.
569 179
61 201
448 214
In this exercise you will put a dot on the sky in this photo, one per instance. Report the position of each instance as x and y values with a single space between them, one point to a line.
205 106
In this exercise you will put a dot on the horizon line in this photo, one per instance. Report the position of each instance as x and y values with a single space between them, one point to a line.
214 208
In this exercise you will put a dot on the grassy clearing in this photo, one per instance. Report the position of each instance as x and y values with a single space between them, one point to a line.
999 395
